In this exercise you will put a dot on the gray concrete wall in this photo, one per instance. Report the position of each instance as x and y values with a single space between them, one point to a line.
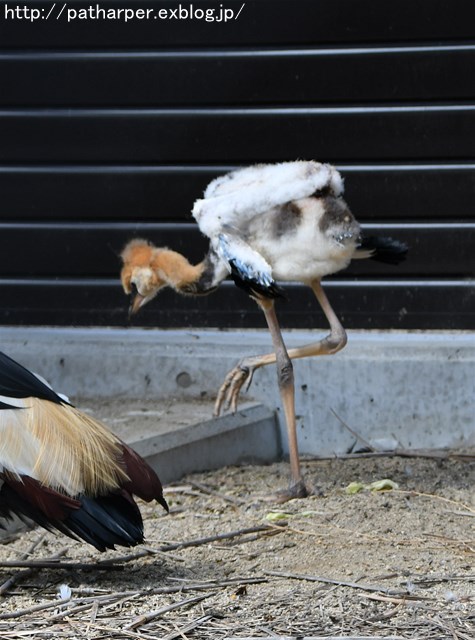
416 388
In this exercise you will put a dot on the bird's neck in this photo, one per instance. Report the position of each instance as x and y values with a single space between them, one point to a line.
178 271
184 277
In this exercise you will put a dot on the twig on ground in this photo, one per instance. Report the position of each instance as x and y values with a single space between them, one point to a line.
50 563
256 536
434 496
341 583
299 637
94 610
209 584
221 536
353 432
166 554
31 567
447 578
112 633
37 607
188 627
438 454
106 564
384 616
148 617
178 489
83 604
72 611
393 600
448 628
121 601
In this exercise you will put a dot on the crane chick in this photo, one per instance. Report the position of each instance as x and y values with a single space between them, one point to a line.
268 223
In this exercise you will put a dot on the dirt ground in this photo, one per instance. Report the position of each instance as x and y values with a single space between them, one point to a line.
397 563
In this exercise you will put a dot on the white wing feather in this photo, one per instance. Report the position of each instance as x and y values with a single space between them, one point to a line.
19 449
250 264
236 197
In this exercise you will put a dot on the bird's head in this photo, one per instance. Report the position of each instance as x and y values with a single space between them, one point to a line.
148 269
141 275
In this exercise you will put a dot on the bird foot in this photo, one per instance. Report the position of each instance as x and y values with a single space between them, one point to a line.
240 376
295 490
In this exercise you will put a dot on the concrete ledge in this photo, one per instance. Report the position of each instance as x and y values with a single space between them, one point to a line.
251 436
417 388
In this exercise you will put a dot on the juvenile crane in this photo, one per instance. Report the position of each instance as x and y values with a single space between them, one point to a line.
65 470
265 223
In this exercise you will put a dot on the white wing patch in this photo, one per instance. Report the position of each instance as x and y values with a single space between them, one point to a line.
19 449
18 403
249 263
237 196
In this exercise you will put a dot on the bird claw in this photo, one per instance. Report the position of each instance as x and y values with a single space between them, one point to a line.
240 376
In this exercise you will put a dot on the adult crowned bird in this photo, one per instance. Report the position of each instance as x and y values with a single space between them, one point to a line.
265 223
65 470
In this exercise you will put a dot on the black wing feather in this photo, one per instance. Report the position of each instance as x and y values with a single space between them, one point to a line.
18 382
254 288
105 521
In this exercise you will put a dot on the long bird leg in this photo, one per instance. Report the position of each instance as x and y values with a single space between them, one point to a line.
285 378
243 372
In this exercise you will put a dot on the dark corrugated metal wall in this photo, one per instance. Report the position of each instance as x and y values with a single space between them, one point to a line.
111 129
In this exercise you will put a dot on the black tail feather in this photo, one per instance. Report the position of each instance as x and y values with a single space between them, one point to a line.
106 521
103 521
384 249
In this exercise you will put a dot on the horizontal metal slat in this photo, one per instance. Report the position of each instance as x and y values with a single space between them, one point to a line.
237 135
85 250
378 305
374 192
285 77
260 22
92 250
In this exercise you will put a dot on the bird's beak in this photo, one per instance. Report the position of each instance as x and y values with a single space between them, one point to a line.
137 301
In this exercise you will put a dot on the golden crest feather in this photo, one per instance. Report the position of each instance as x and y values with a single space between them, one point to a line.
61 447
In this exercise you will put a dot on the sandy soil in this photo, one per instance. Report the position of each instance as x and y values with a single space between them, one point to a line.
386 564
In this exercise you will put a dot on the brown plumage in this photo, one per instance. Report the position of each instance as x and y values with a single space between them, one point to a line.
63 469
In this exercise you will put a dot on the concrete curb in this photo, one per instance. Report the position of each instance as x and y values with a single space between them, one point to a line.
417 388
251 436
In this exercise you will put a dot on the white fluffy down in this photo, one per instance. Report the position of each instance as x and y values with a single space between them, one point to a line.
233 198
